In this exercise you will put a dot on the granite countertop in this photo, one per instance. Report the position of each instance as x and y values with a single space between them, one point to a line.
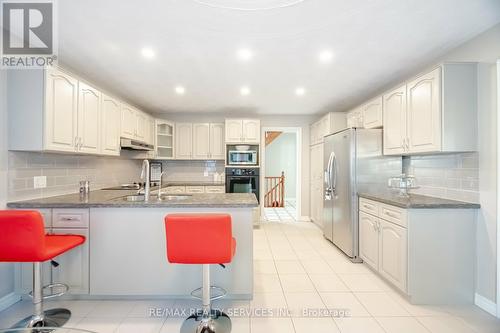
116 199
416 201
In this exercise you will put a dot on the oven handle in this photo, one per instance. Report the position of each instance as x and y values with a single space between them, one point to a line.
241 178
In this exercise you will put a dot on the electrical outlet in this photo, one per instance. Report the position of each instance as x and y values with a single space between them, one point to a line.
40 182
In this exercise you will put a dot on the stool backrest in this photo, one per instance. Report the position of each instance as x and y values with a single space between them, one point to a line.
22 236
199 238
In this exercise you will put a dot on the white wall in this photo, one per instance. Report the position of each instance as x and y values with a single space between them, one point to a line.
265 121
485 49
281 155
6 270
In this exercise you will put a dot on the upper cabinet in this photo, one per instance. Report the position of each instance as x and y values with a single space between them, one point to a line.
433 112
355 118
89 111
330 123
110 126
200 141
57 112
372 113
164 137
60 113
242 131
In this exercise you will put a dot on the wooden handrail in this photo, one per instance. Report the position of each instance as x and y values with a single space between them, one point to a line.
275 191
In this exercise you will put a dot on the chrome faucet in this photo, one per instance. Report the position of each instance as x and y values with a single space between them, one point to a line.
145 175
161 184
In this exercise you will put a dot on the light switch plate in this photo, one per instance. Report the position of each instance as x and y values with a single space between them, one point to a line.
40 182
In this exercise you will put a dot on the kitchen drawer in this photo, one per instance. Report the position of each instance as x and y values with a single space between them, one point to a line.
215 189
369 206
174 189
70 218
195 189
393 214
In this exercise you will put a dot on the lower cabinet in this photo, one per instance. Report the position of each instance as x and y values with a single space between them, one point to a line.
427 253
393 253
369 239
73 269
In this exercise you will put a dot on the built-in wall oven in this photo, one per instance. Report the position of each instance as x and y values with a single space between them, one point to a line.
242 180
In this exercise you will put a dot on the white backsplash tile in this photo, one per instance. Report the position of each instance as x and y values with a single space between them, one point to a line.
451 176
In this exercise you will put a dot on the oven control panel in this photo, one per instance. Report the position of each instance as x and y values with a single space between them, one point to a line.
242 171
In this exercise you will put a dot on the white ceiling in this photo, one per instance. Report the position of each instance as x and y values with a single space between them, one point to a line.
375 42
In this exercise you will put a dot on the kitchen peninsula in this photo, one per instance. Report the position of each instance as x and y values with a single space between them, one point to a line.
125 253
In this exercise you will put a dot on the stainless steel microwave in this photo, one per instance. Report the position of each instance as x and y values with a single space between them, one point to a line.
242 157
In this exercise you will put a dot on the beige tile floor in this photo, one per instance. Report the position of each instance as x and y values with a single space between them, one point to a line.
295 269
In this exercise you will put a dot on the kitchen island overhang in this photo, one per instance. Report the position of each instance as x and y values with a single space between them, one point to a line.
127 245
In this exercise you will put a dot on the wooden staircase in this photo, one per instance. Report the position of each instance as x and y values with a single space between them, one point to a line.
275 191
271 136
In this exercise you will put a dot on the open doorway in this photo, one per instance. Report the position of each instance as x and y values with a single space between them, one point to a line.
281 169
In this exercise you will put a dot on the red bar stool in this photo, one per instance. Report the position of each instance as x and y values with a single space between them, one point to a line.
23 239
201 239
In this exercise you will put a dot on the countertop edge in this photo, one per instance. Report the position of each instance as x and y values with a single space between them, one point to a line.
448 204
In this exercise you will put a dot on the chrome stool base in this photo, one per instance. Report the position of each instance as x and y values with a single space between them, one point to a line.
219 322
52 318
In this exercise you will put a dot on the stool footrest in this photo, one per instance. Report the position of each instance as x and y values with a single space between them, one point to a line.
64 290
215 293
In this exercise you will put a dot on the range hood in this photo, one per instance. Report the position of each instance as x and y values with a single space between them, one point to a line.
130 144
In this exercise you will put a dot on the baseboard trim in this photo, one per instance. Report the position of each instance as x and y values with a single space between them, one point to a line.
485 304
9 300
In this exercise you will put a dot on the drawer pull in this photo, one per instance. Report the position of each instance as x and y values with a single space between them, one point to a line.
69 219
391 214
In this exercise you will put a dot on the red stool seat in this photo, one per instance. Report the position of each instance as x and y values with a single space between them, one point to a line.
199 238
23 238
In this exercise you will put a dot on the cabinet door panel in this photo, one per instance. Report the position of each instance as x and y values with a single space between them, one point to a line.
89 105
201 141
395 121
73 268
369 239
128 122
234 130
393 254
141 125
217 141
424 113
110 126
61 111
251 131
372 114
183 141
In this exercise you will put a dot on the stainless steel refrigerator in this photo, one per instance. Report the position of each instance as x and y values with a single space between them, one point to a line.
353 162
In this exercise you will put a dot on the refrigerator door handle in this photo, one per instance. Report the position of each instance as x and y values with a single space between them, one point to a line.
333 173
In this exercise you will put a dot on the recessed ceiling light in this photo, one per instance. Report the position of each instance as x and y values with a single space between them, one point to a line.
244 91
300 91
325 56
180 90
147 52
244 54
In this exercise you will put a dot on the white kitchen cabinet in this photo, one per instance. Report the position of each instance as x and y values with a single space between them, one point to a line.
427 253
129 122
110 126
355 118
242 131
73 269
141 125
89 116
393 253
215 189
217 149
164 143
61 111
436 110
316 185
369 239
372 113
195 189
175 190
184 141
424 113
151 131
395 121
201 141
